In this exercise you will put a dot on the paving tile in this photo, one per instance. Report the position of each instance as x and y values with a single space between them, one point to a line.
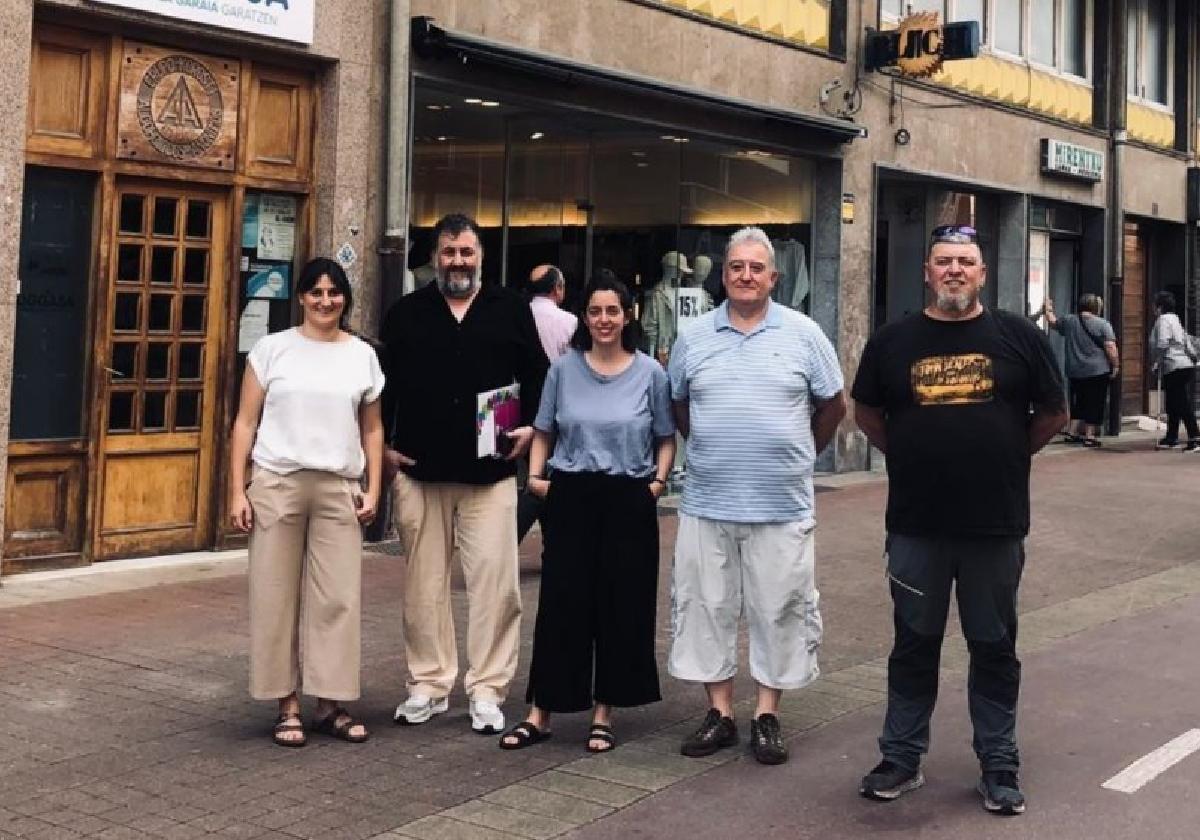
601 791
442 828
519 822
569 809
647 780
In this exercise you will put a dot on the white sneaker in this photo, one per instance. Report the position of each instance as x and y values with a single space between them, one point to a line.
419 708
486 717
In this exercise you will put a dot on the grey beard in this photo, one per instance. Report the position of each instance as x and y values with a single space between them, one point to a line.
956 304
455 286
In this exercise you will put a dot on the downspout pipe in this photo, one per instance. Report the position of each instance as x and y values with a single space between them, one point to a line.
393 249
1117 138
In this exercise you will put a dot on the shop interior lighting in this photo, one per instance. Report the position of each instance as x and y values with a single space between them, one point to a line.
490 103
666 137
642 164
638 154
537 135
473 101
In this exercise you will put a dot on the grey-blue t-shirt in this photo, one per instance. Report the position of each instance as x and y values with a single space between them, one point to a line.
1085 357
605 424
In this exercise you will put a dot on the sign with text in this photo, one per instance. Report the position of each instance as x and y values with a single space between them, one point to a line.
919 45
289 20
179 108
1071 160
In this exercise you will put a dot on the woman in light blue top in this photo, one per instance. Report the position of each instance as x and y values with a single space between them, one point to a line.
1169 355
606 414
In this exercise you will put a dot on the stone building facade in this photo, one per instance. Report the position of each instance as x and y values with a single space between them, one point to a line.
634 135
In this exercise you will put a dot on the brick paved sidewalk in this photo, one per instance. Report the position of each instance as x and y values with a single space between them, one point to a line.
126 714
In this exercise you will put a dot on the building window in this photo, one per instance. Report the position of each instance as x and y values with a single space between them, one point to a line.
1149 51
1051 33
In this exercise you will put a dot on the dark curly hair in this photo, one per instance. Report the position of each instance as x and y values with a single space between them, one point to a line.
607 282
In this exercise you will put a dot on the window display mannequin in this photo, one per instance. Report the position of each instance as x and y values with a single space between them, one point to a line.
662 317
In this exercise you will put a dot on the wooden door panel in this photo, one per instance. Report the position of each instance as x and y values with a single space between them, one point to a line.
44 513
158 378
150 491
67 92
1133 325
279 137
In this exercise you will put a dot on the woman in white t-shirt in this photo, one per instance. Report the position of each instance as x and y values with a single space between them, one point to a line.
310 410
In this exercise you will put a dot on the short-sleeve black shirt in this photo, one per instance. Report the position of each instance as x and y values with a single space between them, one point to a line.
956 396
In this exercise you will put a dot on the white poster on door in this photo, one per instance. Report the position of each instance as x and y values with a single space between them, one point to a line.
276 227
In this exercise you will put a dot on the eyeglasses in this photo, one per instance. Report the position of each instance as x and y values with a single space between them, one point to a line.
954 235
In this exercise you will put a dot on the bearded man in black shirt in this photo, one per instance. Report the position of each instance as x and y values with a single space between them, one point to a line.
447 343
959 398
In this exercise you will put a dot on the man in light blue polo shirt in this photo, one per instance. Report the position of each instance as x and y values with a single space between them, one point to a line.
757 392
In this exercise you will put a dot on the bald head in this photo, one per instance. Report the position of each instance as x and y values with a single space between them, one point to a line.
547 280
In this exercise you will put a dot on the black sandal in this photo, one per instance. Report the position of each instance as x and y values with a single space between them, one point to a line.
283 725
601 732
328 725
526 735
1091 443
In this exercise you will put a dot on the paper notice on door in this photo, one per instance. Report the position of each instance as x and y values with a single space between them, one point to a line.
254 324
497 413
276 227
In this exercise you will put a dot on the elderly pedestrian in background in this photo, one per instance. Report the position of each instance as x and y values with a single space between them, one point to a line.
1170 358
310 410
1092 362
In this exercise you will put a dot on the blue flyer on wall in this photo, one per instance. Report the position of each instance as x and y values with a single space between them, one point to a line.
250 222
271 280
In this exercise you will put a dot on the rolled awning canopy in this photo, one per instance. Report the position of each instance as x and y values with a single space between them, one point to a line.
431 41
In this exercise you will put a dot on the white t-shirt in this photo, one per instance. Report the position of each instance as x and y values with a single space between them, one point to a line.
310 414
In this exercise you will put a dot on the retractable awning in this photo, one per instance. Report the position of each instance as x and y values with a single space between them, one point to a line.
432 41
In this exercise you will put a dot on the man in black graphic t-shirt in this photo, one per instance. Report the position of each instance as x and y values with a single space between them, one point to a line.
959 398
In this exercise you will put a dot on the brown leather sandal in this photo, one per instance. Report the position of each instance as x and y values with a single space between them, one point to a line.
328 725
289 722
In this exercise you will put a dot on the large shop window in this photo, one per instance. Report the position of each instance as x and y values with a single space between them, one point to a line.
1052 33
588 192
1150 50
52 306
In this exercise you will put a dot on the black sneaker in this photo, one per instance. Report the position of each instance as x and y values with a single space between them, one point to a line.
715 733
1167 443
890 781
1001 793
1193 446
766 741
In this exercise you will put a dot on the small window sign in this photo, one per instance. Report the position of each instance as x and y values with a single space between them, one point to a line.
1071 160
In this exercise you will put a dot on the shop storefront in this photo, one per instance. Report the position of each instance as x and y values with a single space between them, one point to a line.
166 207
617 173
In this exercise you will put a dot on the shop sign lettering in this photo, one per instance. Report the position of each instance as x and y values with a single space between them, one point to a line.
920 45
1071 160
290 20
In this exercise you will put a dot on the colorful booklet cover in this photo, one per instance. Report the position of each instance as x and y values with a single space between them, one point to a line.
497 412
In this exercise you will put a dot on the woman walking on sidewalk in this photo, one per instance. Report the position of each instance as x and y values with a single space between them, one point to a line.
606 414
310 410
1168 352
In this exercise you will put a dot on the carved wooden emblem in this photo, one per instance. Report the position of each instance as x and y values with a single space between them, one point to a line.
178 108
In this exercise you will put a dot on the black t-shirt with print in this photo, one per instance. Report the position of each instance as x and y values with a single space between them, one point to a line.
956 396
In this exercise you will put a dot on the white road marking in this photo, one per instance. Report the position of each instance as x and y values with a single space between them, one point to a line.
1151 765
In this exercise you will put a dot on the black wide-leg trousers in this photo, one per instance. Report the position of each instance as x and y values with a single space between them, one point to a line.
594 637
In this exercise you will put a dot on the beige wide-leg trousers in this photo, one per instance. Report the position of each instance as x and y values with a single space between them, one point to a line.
433 519
305 585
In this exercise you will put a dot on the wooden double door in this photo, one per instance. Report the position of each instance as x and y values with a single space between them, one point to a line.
158 378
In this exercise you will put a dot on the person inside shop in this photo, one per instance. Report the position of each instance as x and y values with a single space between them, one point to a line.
555 326
605 414
959 398
1092 362
747 519
309 422
446 345
1172 359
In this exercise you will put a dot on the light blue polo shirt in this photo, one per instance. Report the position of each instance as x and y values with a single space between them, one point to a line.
750 450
